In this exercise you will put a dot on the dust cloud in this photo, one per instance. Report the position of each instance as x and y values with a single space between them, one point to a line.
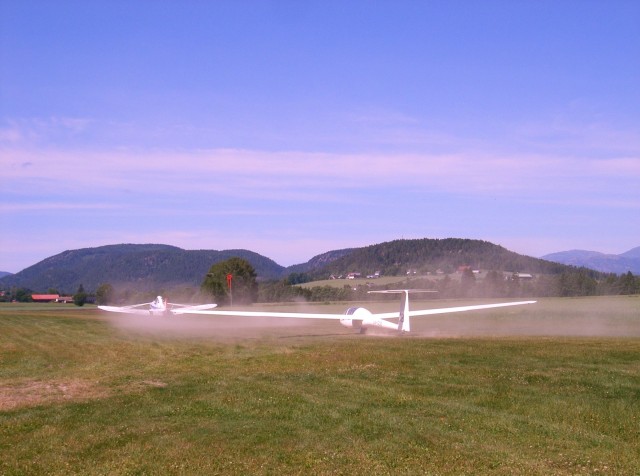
555 318
207 327
590 317
470 327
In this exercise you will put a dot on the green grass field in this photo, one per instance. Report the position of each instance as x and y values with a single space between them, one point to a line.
400 282
552 388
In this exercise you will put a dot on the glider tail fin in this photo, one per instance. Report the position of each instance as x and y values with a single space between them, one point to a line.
404 316
404 324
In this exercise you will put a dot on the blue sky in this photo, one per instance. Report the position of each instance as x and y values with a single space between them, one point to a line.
294 128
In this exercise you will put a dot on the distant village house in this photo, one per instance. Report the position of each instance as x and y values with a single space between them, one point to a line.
51 298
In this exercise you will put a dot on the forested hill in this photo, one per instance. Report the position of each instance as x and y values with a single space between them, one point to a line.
156 267
430 255
143 267
319 263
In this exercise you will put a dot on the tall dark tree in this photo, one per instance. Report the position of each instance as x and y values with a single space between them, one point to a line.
80 297
467 281
105 294
494 284
629 284
243 289
23 295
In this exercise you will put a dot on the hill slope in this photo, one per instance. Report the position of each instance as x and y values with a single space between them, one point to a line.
397 257
141 267
319 263
154 267
632 253
606 263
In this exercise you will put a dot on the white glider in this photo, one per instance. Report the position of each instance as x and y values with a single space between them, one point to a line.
159 306
361 318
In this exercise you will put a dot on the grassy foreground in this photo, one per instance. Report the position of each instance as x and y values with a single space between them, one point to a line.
80 394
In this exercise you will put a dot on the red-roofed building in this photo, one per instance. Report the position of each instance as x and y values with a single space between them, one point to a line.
44 297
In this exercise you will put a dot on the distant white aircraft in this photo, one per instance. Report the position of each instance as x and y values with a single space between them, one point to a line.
158 307
360 318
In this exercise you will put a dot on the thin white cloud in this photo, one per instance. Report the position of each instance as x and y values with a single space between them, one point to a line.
11 134
31 131
578 136
292 174
73 124
617 167
53 206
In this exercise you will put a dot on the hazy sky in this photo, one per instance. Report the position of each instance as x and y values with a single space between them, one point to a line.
292 128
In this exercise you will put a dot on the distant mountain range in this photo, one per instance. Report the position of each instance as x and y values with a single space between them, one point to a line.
147 267
606 263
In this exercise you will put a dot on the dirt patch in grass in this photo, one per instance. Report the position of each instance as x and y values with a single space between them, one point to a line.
38 392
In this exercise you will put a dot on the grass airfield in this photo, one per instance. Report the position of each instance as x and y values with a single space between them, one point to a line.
552 388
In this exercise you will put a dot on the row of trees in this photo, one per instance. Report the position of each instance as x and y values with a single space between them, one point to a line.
492 286
566 284
234 281
14 294
576 283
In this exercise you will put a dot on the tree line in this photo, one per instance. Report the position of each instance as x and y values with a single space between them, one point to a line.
234 281
493 285
571 283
